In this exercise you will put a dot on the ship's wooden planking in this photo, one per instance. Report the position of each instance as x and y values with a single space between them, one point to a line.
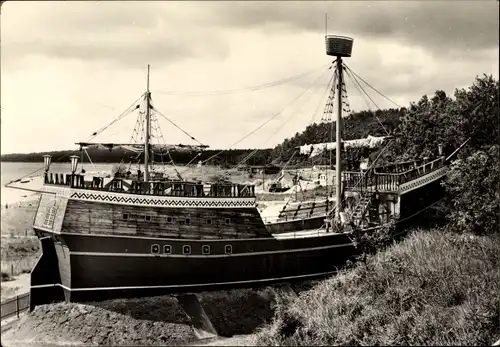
112 219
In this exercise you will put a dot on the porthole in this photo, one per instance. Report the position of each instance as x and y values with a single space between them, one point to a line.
125 216
205 249
209 221
228 249
167 249
186 249
170 219
228 221
155 249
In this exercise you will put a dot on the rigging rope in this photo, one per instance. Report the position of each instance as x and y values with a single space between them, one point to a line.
355 74
363 174
356 84
321 98
260 126
242 90
31 173
283 124
88 156
327 112
124 114
185 132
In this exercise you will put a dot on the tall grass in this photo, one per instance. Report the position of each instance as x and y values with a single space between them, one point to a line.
434 288
14 267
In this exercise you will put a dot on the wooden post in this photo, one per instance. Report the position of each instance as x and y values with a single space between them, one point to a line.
11 270
17 306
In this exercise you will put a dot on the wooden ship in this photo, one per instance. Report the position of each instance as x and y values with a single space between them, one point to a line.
138 235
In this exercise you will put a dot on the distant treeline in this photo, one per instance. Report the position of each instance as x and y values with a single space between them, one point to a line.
225 158
358 125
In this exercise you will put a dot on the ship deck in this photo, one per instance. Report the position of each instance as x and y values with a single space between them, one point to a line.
302 234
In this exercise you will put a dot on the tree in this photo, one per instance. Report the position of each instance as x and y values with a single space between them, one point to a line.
473 192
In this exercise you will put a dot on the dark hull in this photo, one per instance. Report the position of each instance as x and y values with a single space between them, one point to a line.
96 268
296 225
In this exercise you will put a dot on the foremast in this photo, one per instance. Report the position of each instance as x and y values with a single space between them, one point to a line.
147 130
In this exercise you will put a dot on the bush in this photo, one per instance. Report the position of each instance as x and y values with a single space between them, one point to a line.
473 193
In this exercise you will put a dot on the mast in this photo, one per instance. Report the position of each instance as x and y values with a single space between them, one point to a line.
338 46
338 141
148 129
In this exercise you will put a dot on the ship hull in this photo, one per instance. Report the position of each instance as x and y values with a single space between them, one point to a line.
93 268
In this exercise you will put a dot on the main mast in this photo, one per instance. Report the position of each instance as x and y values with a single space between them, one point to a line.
338 141
148 126
338 46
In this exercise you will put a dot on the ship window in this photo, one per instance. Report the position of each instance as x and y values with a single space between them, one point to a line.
228 221
170 219
125 216
188 221
148 218
209 221
186 249
155 249
205 249
228 249
167 249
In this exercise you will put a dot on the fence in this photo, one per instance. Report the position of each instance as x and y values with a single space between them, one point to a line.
14 306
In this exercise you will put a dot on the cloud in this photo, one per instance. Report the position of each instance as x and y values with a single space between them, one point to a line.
69 68
127 35
437 26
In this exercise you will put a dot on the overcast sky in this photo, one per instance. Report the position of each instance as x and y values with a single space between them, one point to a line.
69 68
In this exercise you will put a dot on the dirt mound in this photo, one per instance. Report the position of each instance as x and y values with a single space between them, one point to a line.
92 325
146 321
239 311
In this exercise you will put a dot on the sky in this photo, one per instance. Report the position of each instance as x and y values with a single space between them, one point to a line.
70 68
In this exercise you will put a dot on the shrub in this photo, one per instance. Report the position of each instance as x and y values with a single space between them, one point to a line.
473 193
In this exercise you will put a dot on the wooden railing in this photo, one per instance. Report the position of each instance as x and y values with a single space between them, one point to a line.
159 188
390 177
16 305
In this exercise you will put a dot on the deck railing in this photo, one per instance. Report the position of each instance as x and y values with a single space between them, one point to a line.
389 178
158 188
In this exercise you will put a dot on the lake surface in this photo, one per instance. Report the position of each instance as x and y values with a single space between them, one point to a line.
13 171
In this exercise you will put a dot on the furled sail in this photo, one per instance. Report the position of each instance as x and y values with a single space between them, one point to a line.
139 148
317 148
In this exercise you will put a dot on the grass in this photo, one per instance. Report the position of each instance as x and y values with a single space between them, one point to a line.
14 267
20 248
433 288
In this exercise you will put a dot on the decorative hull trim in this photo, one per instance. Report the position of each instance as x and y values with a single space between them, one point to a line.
422 181
264 280
151 201
245 254
167 239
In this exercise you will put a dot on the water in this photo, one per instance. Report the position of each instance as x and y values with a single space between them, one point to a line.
13 171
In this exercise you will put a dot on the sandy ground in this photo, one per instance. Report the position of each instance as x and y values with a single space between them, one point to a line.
20 285
19 245
145 321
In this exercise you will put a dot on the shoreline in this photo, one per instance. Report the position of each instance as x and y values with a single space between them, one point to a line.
25 201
